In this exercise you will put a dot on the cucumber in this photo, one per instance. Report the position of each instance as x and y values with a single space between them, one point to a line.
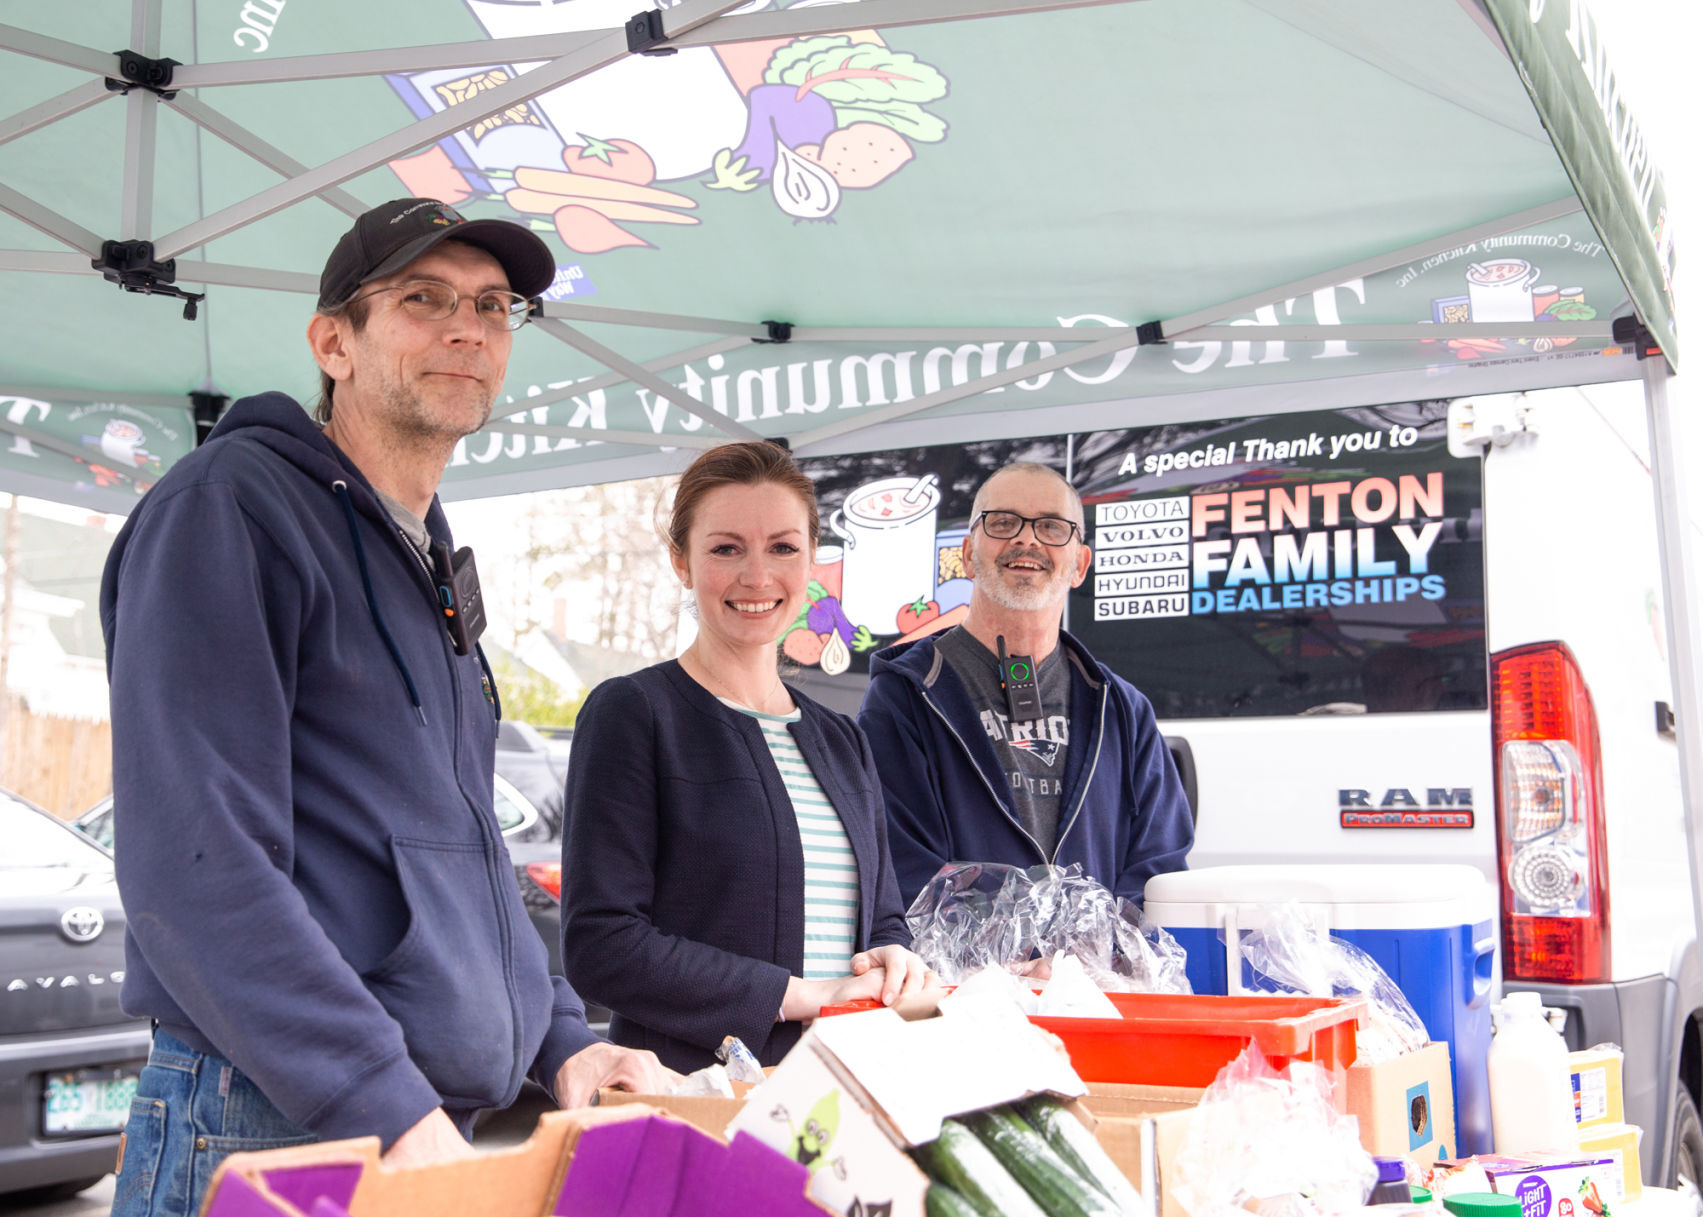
942 1201
1077 1146
1043 1174
959 1160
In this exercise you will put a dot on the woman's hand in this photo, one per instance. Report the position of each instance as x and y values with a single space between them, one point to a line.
905 971
805 998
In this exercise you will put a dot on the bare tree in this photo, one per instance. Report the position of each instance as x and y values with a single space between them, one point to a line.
600 548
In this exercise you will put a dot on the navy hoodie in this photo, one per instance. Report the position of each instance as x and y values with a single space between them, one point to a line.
315 884
1123 815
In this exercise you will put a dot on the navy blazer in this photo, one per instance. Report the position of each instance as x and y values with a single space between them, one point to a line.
682 867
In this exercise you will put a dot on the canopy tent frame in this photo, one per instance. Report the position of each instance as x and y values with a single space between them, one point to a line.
561 58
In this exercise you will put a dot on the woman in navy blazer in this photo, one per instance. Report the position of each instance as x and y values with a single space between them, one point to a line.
684 895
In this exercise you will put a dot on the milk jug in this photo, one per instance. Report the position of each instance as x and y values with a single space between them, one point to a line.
1531 1093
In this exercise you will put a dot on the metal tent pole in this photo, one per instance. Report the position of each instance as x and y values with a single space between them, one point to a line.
1673 534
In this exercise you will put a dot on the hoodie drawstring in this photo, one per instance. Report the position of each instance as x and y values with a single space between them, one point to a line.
341 490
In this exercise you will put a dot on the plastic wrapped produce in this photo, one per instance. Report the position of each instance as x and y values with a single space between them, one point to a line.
972 916
1271 1142
1289 955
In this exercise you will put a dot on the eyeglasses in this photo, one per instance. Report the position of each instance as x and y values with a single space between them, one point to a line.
1004 525
432 301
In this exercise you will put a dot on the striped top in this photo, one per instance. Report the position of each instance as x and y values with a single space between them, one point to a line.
832 896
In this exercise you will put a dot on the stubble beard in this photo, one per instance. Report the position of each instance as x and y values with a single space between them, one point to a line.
414 420
1030 599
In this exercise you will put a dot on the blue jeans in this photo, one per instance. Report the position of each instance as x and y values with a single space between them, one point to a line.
191 1111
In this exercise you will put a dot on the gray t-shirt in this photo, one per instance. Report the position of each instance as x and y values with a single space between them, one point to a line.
412 526
1032 753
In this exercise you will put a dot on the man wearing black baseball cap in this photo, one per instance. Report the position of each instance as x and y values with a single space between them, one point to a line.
323 921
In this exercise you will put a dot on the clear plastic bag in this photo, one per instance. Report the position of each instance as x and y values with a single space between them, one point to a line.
1289 956
972 916
741 1065
1271 1142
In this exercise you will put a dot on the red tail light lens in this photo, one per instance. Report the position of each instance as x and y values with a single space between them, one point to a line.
547 875
1551 839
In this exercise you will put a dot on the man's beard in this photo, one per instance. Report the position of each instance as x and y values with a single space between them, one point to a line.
412 417
1050 589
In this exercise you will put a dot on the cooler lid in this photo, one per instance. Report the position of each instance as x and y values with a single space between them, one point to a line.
1367 896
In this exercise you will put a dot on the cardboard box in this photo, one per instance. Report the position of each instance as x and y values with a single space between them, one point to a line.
1598 1095
859 1089
591 1163
1546 1185
705 1112
1617 1141
1142 1128
1406 1107
1563 1189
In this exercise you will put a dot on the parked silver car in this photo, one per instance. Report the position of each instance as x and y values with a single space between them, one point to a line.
69 1057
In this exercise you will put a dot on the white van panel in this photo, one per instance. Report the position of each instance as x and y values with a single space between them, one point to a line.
1271 788
1570 555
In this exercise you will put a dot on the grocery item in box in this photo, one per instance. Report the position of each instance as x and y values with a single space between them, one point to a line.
1570 1189
1617 1141
1545 1185
1597 1094
860 1089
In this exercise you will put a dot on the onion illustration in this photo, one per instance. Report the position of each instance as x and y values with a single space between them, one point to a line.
803 188
835 657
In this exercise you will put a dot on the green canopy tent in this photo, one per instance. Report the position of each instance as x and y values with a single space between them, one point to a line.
858 226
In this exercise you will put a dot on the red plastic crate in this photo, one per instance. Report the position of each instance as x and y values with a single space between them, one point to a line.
1166 1039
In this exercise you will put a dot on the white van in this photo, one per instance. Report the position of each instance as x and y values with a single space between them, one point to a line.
1420 632
1499 696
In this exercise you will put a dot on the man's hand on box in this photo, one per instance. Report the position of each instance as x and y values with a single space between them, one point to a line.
604 1064
433 1139
906 973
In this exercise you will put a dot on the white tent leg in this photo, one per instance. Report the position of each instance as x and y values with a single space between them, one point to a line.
1673 533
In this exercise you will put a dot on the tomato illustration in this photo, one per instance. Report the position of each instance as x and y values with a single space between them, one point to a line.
913 615
620 160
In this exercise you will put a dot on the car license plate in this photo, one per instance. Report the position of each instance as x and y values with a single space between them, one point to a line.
87 1100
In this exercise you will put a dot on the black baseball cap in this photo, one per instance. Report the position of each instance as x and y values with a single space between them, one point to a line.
392 235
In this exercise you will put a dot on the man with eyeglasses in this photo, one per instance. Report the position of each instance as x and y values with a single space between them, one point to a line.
1003 739
323 920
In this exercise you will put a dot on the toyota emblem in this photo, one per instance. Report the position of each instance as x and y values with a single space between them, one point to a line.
82 924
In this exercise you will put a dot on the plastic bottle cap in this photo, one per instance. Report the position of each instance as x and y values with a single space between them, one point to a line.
1421 1195
1523 1002
1391 1170
1482 1204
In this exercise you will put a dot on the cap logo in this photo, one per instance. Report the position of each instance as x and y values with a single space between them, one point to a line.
441 214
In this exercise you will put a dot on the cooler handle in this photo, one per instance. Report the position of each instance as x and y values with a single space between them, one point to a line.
1317 914
1483 964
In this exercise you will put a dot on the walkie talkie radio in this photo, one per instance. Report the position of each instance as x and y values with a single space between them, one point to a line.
1022 690
458 594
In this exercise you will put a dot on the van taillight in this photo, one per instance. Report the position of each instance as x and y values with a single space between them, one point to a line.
1551 845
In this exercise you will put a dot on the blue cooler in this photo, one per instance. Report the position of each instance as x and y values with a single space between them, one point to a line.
1431 928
